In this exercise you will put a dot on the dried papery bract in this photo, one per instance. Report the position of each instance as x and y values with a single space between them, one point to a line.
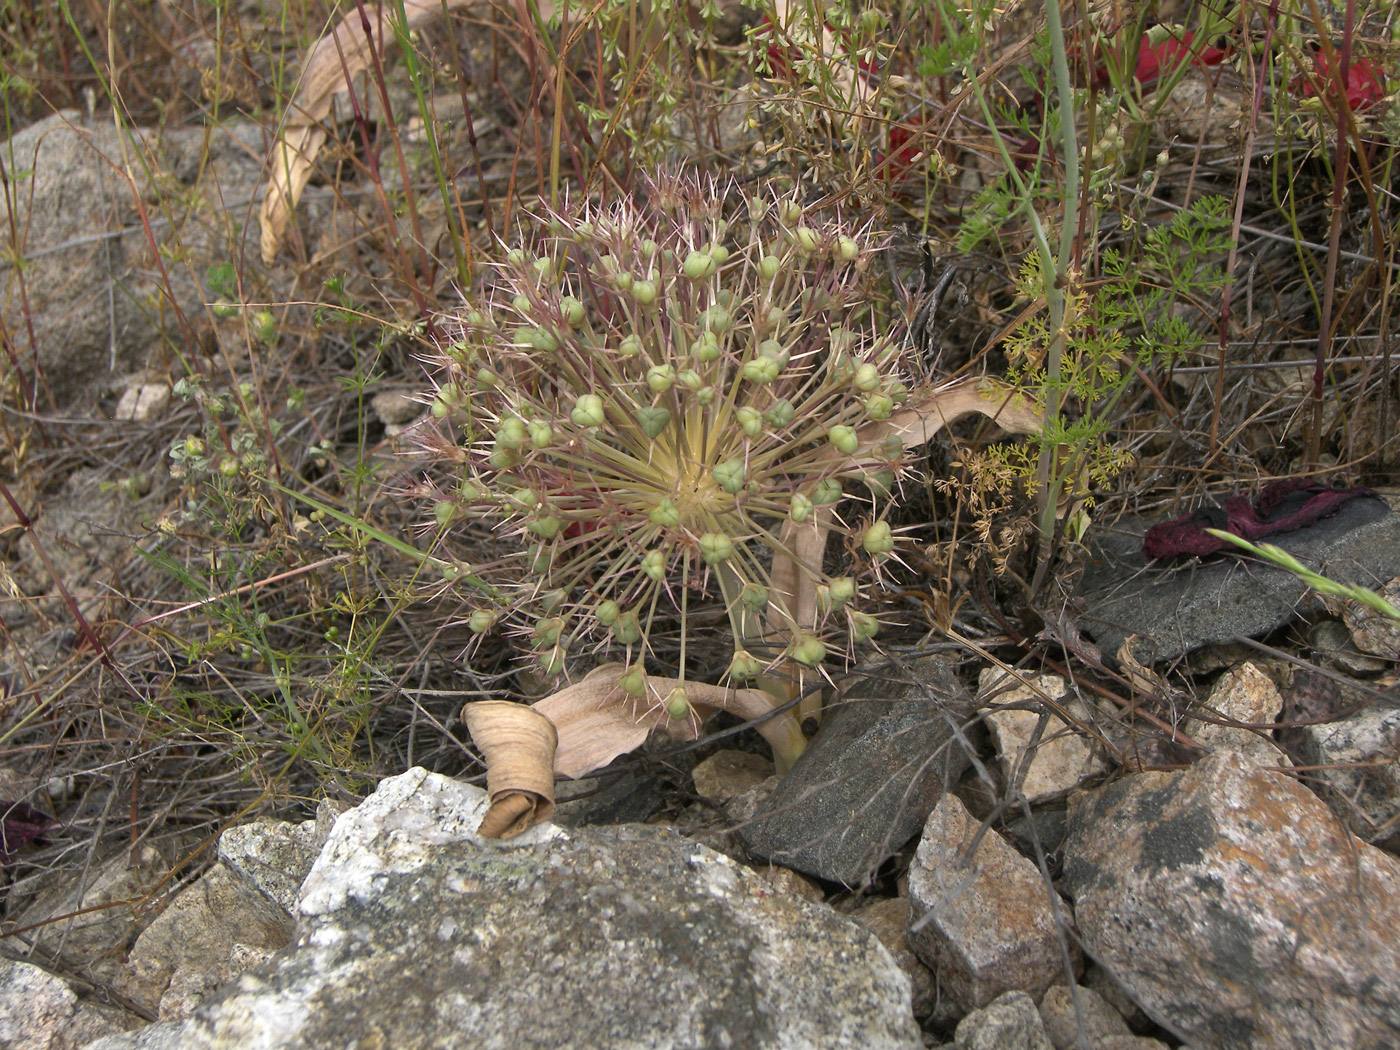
518 745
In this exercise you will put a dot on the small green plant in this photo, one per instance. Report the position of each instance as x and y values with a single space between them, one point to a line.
1318 582
649 396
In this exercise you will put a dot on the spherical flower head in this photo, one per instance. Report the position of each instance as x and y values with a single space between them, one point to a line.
647 394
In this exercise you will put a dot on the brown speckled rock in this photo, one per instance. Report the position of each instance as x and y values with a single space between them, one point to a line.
984 928
1232 906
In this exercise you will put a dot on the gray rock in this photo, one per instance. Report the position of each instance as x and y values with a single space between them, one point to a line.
985 927
1360 756
728 774
1066 1014
1175 609
189 950
1231 907
1010 1022
39 1011
1331 642
868 780
1062 757
273 856
96 299
416 935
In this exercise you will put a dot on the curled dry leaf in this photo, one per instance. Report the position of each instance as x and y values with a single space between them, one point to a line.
336 60
518 745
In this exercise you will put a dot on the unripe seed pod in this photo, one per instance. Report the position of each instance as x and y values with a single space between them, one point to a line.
806 650
644 292
768 267
653 420
677 706
443 513
690 379
751 420
898 392
881 483
440 408
517 257
521 303
754 597
665 514
799 508
487 379
526 499
879 406
541 434
628 628
807 239
705 395
758 208
842 590
878 540
553 600
789 212
846 248
843 439
866 378
607 612
780 413
546 631
194 446
634 681
552 662
543 341
761 370
624 283
654 564
864 626
511 431
717 319
630 346
706 348
539 558
588 411
545 528
660 378
573 311
826 491
745 666
719 253
481 621
731 475
699 266
544 268
715 547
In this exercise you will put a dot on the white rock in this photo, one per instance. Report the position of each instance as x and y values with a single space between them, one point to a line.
1246 695
142 403
1062 759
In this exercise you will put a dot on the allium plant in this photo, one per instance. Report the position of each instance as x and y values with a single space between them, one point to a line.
664 402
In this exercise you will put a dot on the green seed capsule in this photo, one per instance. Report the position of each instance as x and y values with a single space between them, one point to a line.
806 239
521 303
644 292
653 421
443 513
842 590
634 681
807 650
789 212
541 435
552 662
705 395
864 626
545 528
511 431
630 346
588 411
878 540
665 514
827 491
706 348
690 379
654 564
546 631
660 378
762 370
751 420
481 621
699 266
866 377
768 267
879 406
754 597
780 413
843 439
543 341
799 508
517 257
677 706
745 667
731 475
717 319
607 612
628 629
539 558
715 547
573 311
846 248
